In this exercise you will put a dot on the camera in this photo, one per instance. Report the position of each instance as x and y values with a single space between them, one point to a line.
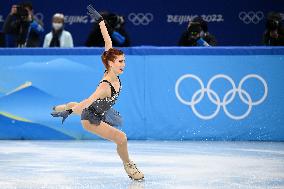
194 30
273 21
22 13
114 20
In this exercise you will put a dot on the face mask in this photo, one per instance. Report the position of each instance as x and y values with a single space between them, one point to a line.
57 26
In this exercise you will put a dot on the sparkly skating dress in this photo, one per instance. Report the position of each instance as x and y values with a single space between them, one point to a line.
101 109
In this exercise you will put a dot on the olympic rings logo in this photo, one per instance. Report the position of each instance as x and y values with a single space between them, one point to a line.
215 99
39 16
141 18
251 17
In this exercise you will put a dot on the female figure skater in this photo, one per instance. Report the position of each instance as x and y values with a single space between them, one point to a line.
97 116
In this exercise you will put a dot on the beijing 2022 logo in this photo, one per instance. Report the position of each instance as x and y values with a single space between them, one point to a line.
213 96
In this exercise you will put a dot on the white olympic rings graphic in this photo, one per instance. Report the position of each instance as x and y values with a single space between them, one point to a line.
141 18
251 17
215 99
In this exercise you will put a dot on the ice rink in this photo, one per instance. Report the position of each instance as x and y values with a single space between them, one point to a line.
95 165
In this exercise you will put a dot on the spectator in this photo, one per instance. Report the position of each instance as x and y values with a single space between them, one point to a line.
2 39
58 37
197 34
115 26
22 27
274 33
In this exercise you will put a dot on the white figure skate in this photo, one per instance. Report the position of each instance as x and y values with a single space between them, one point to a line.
133 172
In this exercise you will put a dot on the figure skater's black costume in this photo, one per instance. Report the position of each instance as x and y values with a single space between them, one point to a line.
101 109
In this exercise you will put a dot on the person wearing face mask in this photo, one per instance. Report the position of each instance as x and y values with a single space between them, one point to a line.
58 37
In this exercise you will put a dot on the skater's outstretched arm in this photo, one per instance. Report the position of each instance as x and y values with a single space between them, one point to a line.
102 91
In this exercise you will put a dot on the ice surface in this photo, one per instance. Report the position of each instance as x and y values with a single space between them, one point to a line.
166 165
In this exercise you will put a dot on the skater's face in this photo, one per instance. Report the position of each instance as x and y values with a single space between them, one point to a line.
118 65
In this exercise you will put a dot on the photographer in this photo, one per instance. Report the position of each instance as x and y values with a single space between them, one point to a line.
197 34
115 27
22 26
274 33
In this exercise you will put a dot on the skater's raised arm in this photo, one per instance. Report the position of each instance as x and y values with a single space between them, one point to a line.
99 19
105 34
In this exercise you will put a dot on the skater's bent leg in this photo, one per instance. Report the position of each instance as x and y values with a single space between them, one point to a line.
108 132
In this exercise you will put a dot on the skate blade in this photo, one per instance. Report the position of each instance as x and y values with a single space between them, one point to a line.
139 180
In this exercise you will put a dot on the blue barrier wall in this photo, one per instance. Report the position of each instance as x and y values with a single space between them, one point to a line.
220 93
161 22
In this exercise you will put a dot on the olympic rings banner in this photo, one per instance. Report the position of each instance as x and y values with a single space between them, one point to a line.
233 22
218 102
168 93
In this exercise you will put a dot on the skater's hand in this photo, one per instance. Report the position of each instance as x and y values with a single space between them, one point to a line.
94 14
63 114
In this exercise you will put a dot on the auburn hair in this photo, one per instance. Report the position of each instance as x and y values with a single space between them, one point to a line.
110 55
